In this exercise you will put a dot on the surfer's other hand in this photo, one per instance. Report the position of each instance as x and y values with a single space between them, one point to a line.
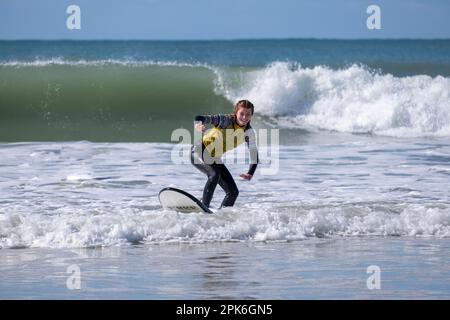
246 176
200 127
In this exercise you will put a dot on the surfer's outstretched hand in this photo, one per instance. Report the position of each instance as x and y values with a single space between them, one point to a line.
246 176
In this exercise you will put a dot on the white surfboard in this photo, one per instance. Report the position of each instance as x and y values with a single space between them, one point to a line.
181 201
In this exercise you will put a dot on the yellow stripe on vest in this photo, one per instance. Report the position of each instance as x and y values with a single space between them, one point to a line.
218 141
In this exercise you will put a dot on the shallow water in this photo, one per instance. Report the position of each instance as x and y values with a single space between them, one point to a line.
333 268
81 194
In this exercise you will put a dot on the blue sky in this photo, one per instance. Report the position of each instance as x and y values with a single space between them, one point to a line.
223 19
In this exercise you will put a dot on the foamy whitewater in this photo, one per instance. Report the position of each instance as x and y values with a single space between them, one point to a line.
84 194
353 99
359 179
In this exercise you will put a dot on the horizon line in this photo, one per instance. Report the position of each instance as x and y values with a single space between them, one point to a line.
228 39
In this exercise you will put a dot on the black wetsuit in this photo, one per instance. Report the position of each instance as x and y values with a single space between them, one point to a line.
215 170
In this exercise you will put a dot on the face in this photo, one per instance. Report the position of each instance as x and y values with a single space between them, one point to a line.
243 116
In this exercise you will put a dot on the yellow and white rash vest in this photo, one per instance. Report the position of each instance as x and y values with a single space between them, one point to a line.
227 135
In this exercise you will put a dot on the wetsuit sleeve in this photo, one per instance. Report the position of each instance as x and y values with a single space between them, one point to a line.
250 138
219 120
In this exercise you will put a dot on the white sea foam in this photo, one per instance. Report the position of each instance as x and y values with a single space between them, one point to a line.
108 196
81 194
80 229
58 61
352 99
77 177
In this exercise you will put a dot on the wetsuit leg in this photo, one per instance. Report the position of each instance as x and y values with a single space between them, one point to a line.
217 174
213 172
211 184
227 183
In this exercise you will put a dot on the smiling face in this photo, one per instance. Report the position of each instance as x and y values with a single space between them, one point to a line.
243 116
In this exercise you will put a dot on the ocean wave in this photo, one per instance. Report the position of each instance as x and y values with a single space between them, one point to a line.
59 61
64 94
353 99
257 225
107 100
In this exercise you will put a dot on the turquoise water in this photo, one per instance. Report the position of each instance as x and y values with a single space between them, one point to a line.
394 56
140 90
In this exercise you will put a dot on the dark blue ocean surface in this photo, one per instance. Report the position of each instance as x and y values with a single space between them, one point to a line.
396 56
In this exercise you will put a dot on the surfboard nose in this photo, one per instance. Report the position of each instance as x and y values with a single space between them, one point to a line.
181 201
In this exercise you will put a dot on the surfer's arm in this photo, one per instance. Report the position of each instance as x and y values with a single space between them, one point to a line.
250 138
218 120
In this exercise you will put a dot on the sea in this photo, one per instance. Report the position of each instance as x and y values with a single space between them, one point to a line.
350 200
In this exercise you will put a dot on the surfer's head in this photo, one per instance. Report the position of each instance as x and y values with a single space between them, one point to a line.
243 111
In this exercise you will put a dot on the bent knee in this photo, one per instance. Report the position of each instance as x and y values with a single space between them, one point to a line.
214 176
234 192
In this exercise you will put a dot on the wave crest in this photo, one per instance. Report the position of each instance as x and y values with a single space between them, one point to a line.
354 99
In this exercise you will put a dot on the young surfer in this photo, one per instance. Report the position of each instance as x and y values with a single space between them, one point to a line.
229 131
